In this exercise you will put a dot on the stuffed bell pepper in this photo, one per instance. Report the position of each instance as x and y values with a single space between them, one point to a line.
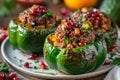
28 31
74 48
104 27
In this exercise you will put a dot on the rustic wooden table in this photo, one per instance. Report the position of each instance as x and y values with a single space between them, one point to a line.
51 6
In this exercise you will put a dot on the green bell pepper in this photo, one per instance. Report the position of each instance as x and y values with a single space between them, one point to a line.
76 60
27 40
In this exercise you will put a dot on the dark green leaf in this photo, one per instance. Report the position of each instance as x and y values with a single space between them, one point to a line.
43 16
49 13
3 67
116 61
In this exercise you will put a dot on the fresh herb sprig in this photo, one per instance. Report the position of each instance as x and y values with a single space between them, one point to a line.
3 67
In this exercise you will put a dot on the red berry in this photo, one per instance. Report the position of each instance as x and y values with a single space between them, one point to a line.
2 75
42 65
11 75
15 78
42 9
64 11
34 12
1 78
26 65
69 26
33 57
106 63
112 49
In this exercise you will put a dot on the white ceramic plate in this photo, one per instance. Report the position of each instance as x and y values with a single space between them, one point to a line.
16 59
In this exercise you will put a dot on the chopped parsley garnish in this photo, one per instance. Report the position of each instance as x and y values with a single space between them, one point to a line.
66 40
21 61
3 67
43 16
36 68
91 9
85 30
26 25
80 17
49 13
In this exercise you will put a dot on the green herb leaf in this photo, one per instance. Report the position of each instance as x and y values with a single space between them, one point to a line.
43 16
80 17
116 61
49 13
66 40
91 9
3 67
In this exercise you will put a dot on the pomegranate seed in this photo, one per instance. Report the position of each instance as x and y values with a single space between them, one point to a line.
34 12
15 78
26 65
42 9
95 10
69 26
33 57
1 78
112 49
106 63
64 11
11 75
3 75
42 65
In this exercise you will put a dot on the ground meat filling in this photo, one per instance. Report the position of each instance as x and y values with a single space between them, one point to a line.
82 28
37 17
100 21
71 35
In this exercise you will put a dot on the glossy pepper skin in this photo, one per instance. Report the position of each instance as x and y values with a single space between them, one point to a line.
27 40
76 60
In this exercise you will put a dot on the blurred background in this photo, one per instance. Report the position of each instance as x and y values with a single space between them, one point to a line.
10 9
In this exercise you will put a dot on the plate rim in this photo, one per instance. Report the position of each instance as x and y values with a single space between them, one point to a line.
47 76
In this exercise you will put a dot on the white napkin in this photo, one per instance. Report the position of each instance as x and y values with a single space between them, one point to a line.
114 74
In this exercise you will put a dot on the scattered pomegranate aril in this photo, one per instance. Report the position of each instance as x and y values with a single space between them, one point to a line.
112 49
43 65
3 75
15 78
26 65
1 78
64 12
33 57
106 63
11 75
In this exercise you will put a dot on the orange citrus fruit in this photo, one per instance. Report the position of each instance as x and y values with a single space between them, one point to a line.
78 4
